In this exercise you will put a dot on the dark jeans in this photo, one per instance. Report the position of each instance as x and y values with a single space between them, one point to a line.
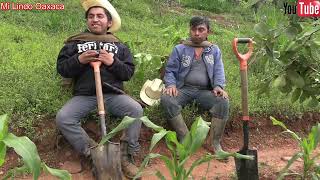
217 106
69 117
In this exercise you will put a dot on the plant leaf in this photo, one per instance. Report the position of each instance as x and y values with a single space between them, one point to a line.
157 137
17 170
61 174
126 122
145 162
169 165
203 159
150 124
3 126
295 95
314 135
280 81
262 29
313 102
291 32
160 175
25 148
295 78
3 150
199 131
290 162
278 123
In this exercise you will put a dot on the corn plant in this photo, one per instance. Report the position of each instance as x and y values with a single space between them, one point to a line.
180 152
308 145
24 147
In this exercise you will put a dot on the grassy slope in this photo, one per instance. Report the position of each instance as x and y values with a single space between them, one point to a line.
31 40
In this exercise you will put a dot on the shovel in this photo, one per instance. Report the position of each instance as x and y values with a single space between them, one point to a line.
106 158
246 169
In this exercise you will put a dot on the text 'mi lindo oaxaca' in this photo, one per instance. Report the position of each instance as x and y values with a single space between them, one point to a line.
4 6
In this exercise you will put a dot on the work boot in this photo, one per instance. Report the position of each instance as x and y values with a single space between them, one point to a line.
216 132
179 126
129 169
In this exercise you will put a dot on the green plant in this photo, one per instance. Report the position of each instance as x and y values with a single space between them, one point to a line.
180 153
308 145
290 49
24 147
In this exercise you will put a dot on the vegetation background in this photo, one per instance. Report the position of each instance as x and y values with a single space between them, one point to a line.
31 91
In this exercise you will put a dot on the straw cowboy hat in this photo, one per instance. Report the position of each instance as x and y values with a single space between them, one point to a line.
116 21
151 91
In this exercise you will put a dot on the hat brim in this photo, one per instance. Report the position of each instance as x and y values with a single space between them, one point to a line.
145 98
116 21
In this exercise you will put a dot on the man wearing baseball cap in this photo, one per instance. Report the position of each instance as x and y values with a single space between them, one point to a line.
98 43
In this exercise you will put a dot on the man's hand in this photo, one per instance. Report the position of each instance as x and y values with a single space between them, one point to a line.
171 91
105 57
218 91
88 56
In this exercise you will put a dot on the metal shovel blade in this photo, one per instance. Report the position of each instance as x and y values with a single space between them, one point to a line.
106 159
247 169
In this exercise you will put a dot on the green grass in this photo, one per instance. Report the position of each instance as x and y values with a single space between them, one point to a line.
31 40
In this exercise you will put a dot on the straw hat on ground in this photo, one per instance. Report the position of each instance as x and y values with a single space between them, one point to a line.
151 91
116 21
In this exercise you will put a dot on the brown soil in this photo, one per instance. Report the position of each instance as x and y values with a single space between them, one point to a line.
273 148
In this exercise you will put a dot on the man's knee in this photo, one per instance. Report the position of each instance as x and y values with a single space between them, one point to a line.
135 110
221 109
165 100
61 118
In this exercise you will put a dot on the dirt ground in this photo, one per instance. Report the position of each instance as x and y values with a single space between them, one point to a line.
274 150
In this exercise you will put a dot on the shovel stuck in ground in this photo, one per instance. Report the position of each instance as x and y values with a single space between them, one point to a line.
106 158
246 169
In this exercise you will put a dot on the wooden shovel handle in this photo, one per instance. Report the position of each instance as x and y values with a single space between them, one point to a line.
96 68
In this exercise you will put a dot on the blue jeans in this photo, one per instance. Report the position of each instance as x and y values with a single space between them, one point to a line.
217 106
69 117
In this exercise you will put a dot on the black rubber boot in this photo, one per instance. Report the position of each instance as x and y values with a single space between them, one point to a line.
217 129
179 126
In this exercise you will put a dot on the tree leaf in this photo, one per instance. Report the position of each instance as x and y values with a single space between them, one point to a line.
61 174
305 95
3 126
309 32
25 148
3 150
291 32
280 81
295 95
313 102
262 29
295 78
276 54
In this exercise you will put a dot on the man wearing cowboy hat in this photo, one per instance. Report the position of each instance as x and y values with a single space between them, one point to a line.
97 43
195 72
